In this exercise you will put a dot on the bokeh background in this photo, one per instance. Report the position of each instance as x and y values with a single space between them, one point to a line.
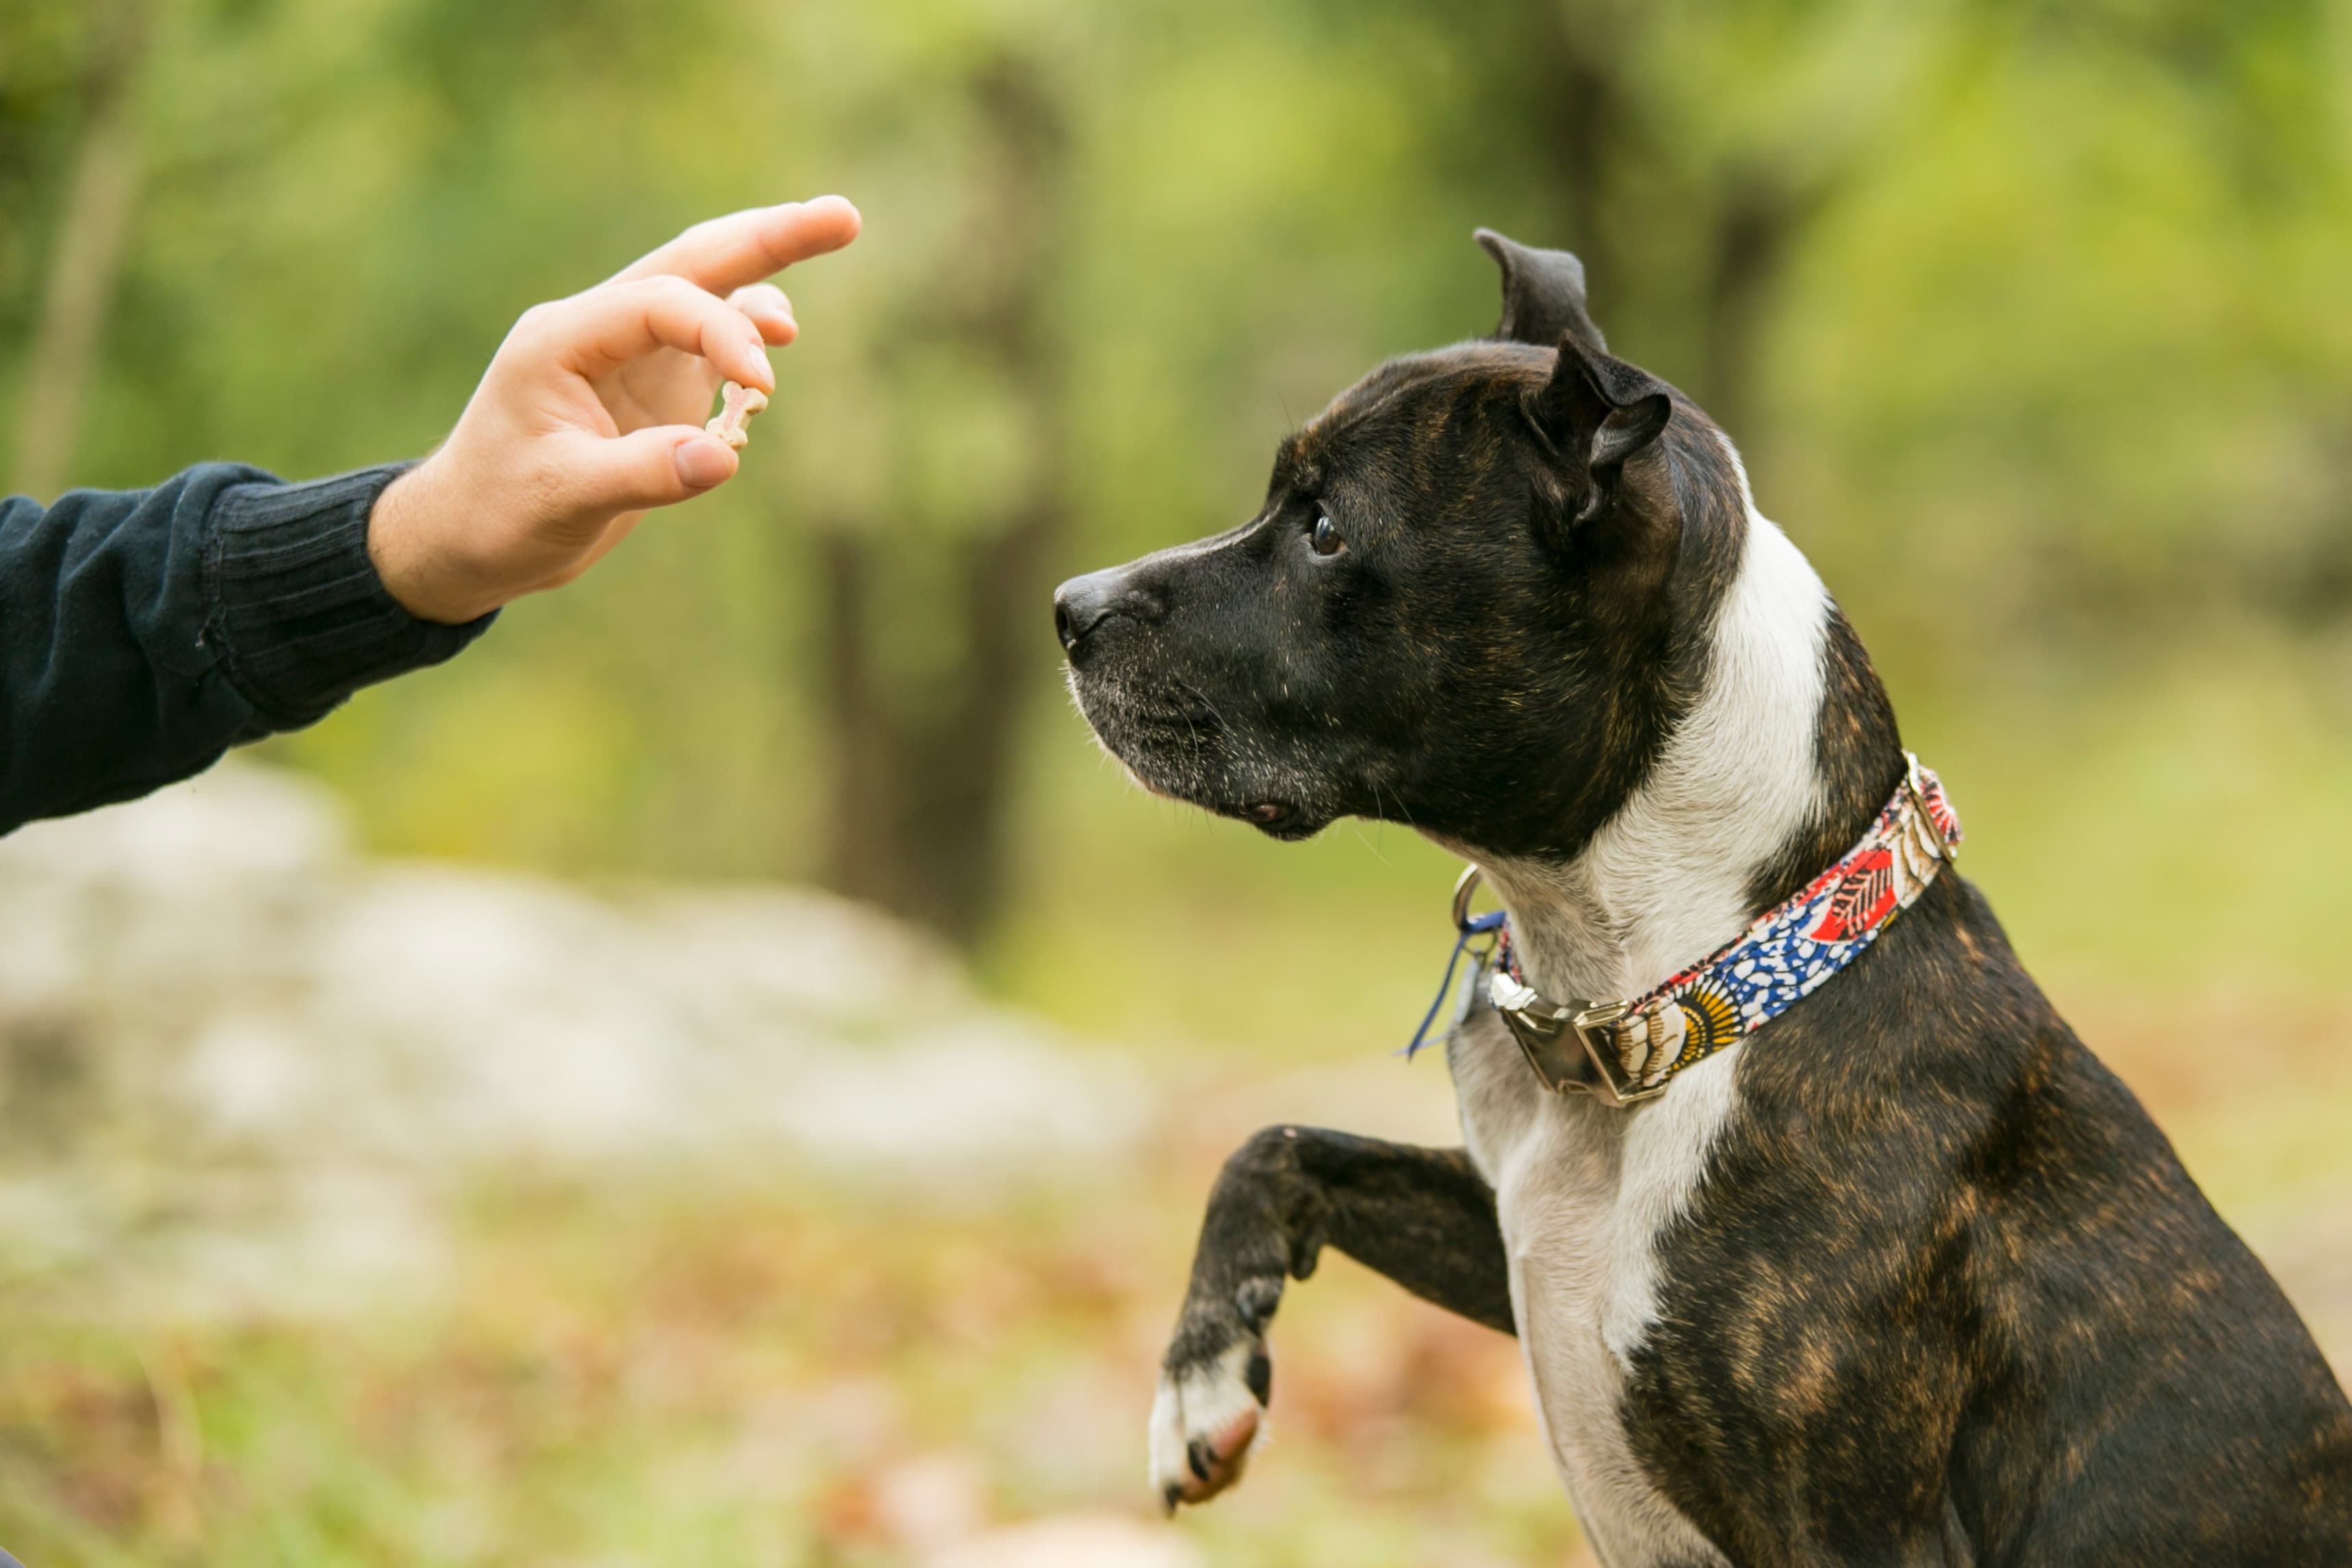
724 1071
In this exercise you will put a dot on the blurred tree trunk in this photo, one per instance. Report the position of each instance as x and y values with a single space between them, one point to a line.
1756 227
101 195
1582 114
922 778
1618 174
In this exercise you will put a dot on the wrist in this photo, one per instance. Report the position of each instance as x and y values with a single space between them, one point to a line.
298 616
413 562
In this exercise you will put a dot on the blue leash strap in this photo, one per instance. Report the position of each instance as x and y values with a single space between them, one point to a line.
1469 927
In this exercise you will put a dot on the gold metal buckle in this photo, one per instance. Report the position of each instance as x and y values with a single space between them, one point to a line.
1595 1026
1541 1026
1537 1024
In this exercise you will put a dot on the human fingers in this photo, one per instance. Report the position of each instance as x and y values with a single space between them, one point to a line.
617 322
767 309
658 466
723 253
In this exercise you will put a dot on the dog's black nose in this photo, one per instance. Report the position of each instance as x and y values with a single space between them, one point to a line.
1085 602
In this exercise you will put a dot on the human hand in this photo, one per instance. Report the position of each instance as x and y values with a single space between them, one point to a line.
592 411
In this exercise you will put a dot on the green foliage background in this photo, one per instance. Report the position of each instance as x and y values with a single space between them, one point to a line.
2034 332
2054 381
2051 372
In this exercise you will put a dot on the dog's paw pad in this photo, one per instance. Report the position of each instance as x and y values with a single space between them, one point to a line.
1205 1421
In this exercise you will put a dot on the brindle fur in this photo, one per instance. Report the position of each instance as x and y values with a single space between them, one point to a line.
1944 1293
1423 1216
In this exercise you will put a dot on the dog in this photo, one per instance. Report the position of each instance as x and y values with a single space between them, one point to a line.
1900 1275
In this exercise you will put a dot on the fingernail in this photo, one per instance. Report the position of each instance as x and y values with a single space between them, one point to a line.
702 462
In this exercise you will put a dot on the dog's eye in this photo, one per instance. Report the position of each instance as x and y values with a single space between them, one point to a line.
1326 538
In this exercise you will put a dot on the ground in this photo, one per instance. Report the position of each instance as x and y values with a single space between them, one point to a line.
785 1339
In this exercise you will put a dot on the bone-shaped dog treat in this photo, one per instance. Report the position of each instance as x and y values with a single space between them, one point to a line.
741 403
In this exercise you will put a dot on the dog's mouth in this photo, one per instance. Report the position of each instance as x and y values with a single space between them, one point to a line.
1286 820
1176 744
1176 726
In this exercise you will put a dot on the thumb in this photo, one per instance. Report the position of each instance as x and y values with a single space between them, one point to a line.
659 466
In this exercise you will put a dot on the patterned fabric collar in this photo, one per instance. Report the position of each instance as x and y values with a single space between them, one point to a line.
1622 1052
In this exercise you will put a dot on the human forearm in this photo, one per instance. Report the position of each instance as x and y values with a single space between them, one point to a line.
143 633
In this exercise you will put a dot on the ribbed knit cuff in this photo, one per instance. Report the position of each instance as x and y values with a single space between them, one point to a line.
300 617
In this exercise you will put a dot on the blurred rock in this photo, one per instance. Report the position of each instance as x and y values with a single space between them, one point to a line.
208 1003
931 1503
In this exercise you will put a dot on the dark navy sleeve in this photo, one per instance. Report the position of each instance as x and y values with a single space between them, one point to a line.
144 633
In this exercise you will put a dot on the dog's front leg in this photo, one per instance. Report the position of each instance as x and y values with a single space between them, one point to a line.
1423 1216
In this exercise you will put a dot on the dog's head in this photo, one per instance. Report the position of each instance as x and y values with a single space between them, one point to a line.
1466 605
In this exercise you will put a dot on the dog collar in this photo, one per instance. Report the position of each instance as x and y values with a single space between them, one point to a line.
1632 1051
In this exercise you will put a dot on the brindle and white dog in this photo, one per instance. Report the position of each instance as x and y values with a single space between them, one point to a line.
1907 1277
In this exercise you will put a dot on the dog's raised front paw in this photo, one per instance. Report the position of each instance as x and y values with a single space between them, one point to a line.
1207 1417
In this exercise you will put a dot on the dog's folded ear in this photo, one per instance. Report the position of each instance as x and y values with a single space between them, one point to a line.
1543 294
1592 415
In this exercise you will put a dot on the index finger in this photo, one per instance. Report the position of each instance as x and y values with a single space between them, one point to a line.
616 322
722 255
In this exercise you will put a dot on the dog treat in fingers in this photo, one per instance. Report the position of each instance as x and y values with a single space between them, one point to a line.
743 403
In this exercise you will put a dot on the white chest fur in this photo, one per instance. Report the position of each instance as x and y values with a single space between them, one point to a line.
1582 1192
1588 1194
